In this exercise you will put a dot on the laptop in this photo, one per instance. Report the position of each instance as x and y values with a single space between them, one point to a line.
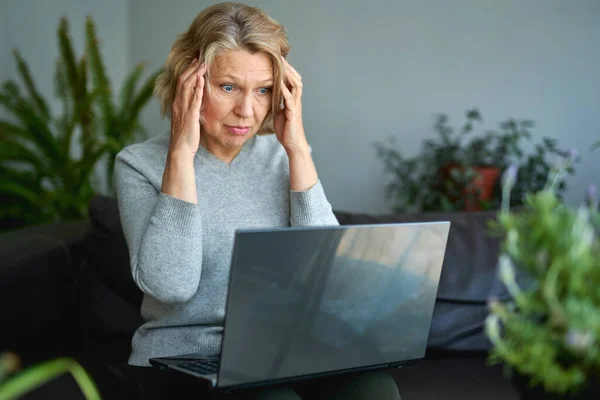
308 302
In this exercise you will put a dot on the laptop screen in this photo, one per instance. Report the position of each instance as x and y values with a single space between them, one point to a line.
306 301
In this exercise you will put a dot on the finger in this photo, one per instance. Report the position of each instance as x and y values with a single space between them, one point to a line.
187 72
198 90
295 82
288 98
187 90
292 70
295 88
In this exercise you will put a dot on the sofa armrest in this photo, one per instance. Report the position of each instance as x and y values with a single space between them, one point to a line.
37 290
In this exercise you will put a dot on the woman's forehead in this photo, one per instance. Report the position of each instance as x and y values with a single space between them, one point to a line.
243 65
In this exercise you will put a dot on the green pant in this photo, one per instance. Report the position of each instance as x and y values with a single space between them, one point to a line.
370 385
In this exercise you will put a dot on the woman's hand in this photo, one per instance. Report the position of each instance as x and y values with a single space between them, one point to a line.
179 177
288 123
185 110
290 132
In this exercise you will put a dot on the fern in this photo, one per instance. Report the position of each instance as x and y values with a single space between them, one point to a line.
41 179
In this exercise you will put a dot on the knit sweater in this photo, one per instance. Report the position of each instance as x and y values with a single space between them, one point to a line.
180 252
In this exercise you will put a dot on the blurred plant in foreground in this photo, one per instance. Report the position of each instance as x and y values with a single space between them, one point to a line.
14 383
550 264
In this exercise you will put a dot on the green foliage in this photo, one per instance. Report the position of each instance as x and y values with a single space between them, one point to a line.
42 180
437 178
550 263
14 386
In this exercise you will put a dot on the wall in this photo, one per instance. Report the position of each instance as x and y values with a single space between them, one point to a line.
377 68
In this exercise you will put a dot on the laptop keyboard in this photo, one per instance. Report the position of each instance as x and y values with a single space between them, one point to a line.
205 367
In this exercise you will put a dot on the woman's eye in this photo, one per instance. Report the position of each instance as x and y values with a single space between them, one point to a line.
227 88
264 90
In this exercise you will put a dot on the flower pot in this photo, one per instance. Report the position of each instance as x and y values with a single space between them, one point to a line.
480 189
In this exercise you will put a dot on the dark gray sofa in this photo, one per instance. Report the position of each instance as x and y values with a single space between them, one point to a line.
66 289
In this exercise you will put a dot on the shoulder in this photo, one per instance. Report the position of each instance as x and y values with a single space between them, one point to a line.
147 158
152 151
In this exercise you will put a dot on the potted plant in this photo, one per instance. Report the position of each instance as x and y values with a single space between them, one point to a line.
14 383
548 333
459 170
42 178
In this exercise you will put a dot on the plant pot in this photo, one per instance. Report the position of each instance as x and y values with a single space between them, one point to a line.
480 189
482 186
521 384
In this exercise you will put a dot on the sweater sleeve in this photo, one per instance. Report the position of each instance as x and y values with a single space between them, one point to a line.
163 234
311 208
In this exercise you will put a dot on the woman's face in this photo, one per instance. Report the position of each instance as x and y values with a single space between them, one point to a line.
239 101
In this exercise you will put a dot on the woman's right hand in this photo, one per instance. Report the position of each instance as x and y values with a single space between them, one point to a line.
179 176
185 110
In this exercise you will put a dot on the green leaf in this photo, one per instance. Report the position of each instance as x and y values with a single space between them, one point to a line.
140 101
38 100
128 89
69 61
100 80
65 125
23 192
35 126
15 151
37 375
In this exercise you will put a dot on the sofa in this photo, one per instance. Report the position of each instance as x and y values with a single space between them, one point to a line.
66 290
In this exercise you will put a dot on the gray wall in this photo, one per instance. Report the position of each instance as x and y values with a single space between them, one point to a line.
31 26
376 68
373 68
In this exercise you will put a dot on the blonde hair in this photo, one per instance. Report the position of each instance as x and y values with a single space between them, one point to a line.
219 28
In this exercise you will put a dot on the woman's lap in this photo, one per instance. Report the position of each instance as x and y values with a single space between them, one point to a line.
151 383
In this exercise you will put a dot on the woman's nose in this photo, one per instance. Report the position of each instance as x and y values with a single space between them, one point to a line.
244 106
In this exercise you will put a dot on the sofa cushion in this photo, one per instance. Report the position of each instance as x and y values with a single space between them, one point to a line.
468 275
37 301
107 252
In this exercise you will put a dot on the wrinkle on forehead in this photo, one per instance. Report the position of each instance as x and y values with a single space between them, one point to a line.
243 65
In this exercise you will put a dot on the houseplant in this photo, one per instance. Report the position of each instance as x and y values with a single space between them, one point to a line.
458 170
42 179
548 332
14 383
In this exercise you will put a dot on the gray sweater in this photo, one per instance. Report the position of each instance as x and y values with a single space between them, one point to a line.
180 252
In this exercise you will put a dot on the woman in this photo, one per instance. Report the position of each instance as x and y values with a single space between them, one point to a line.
182 196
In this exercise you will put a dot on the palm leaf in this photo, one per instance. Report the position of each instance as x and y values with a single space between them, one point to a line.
86 117
37 129
37 99
65 125
13 151
8 130
144 95
22 191
70 64
99 78
128 89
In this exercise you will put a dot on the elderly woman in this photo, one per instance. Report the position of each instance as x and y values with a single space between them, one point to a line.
183 195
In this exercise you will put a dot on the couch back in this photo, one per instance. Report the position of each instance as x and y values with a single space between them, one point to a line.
468 274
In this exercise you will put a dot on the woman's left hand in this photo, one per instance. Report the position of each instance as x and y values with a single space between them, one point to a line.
288 123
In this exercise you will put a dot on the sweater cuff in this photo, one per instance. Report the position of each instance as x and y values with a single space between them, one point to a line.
178 216
309 207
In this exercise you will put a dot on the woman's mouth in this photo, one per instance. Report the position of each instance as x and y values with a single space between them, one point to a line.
237 130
